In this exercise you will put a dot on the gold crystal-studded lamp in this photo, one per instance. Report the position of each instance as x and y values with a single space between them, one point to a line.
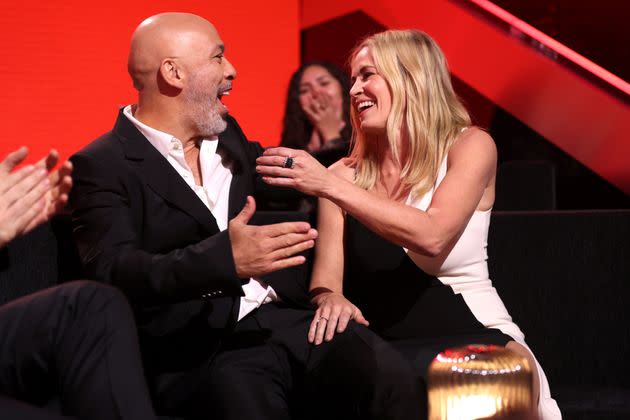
479 382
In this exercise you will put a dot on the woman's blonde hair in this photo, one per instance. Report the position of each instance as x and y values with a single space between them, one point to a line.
425 109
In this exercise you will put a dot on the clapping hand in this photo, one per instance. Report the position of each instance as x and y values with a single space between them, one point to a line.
30 195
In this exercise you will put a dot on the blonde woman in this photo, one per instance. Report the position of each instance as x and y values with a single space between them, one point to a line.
403 222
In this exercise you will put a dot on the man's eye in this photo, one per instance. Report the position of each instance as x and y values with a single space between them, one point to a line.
219 57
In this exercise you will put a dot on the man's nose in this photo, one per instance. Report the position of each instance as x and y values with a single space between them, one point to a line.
229 70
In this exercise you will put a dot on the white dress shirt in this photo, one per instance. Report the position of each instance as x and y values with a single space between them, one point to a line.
216 177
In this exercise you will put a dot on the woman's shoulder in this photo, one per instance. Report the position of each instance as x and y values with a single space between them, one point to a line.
344 168
473 141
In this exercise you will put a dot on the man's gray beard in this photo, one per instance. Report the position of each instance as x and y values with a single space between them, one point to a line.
207 119
210 123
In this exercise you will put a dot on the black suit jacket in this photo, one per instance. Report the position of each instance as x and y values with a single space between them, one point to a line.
140 227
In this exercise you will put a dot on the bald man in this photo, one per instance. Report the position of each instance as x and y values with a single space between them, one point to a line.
161 207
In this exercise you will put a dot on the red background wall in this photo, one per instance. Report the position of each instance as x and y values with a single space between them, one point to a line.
63 66
566 107
63 70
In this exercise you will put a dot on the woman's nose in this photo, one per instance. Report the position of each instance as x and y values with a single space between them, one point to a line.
356 88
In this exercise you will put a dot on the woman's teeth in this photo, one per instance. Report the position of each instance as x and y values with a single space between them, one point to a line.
364 105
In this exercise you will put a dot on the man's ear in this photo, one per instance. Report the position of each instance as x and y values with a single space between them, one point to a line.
171 73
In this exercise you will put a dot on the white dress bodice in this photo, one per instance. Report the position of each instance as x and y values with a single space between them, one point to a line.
465 270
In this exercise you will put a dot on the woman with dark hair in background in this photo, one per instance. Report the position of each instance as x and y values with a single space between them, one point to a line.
316 117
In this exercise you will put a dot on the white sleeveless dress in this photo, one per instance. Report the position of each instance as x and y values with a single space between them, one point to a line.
465 270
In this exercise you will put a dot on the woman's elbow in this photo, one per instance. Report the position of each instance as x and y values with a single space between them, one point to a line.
430 247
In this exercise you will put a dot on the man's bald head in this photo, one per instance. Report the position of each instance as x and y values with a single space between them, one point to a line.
166 35
178 66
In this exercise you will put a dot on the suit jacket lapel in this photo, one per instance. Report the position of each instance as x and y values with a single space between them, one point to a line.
230 144
160 176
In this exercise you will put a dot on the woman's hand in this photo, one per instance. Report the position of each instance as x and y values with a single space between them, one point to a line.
306 174
326 116
333 313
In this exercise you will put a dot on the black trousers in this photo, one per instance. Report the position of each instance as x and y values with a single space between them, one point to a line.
266 369
77 341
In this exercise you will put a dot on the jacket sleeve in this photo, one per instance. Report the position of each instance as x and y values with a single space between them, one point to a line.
108 232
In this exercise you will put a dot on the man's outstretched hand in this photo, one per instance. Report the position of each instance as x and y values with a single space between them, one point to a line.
260 250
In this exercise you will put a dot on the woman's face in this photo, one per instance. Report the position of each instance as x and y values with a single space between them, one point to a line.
318 87
370 94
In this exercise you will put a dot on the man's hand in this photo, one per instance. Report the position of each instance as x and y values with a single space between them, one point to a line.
30 196
260 250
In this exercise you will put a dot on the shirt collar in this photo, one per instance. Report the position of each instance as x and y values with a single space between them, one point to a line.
163 142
